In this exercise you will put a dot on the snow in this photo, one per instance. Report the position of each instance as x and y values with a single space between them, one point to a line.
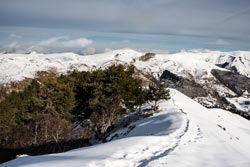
241 103
222 138
195 65
184 133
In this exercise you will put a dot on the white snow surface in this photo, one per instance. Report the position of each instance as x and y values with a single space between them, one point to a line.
184 134
191 64
241 103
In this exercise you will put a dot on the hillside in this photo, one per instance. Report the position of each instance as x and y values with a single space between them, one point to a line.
200 73
195 129
195 64
184 133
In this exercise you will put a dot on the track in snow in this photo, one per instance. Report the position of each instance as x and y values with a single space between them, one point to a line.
200 137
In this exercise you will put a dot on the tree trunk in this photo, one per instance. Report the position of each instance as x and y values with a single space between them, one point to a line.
140 110
46 131
35 138
155 104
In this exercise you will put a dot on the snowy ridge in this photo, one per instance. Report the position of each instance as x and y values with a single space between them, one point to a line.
193 64
196 66
220 134
184 134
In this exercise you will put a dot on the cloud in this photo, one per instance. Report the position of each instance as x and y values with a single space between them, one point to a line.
107 49
237 14
63 41
81 42
15 36
223 19
13 45
219 42
120 43
52 40
50 45
139 16
89 51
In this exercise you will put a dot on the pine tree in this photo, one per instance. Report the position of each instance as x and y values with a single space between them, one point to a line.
156 93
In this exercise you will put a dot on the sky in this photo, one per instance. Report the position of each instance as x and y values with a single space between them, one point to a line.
93 26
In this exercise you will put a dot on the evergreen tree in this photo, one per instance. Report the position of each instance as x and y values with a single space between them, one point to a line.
156 93
46 110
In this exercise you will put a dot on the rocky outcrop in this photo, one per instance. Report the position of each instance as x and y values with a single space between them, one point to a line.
167 75
226 65
207 94
184 85
234 81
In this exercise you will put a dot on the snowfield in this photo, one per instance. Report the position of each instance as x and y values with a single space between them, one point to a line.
190 64
184 134
195 66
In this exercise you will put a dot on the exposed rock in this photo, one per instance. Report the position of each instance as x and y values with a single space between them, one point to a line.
236 82
186 86
226 65
147 57
167 75
209 96
223 65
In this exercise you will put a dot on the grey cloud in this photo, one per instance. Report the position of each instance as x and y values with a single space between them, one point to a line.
219 42
53 44
205 18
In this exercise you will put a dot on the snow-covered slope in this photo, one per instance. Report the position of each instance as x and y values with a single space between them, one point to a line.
15 67
184 134
195 64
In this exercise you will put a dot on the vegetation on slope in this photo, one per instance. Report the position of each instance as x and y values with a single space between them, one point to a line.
76 106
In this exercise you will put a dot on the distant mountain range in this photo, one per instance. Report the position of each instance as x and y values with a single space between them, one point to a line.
212 78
